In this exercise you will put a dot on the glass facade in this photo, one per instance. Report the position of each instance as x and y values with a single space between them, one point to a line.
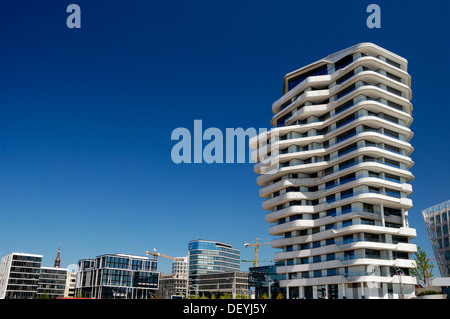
117 276
210 257
437 221
261 277
206 257
298 79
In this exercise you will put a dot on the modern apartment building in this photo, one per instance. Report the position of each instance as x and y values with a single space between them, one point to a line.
117 276
335 173
207 257
437 221
19 276
52 282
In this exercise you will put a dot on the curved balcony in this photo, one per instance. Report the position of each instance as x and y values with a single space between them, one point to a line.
297 240
338 263
366 90
338 248
367 61
350 278
378 182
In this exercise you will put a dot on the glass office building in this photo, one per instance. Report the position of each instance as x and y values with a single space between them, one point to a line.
437 222
117 276
262 277
210 257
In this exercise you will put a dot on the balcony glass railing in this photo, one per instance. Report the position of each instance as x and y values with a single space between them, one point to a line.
366 129
331 199
319 160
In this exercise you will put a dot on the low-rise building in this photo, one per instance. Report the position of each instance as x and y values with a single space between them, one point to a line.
19 276
52 282
70 285
117 276
234 283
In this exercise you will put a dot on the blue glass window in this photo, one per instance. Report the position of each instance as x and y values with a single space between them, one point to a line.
299 78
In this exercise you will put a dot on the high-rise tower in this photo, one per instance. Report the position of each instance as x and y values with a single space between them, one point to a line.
336 184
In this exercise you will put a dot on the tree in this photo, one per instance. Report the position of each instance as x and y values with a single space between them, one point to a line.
280 296
424 267
226 296
45 296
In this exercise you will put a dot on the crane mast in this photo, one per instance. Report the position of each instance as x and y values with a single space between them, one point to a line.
256 245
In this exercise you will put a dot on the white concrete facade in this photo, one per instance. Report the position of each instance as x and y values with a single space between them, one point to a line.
19 275
335 176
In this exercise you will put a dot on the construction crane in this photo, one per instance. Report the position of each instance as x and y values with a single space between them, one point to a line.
256 245
156 255
260 260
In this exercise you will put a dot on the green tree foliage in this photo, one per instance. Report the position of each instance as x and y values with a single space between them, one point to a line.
424 268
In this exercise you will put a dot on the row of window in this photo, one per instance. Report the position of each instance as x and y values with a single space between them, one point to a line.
218 255
341 210
347 193
347 239
437 219
346 135
443 243
125 263
348 119
281 121
342 63
441 231
346 273
338 225
27 258
343 151
349 255
128 278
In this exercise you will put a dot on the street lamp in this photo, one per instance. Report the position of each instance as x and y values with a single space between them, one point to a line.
269 283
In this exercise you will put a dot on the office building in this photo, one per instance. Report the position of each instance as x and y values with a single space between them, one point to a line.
174 284
233 283
19 276
117 276
207 257
335 176
437 222
52 282
265 281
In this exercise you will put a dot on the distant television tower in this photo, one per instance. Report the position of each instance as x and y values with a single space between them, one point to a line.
58 259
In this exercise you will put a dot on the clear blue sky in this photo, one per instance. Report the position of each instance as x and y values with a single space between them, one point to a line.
86 115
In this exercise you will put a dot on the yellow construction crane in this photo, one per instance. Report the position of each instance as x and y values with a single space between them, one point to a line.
262 260
156 255
256 245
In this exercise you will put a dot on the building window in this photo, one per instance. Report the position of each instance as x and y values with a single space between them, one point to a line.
299 78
